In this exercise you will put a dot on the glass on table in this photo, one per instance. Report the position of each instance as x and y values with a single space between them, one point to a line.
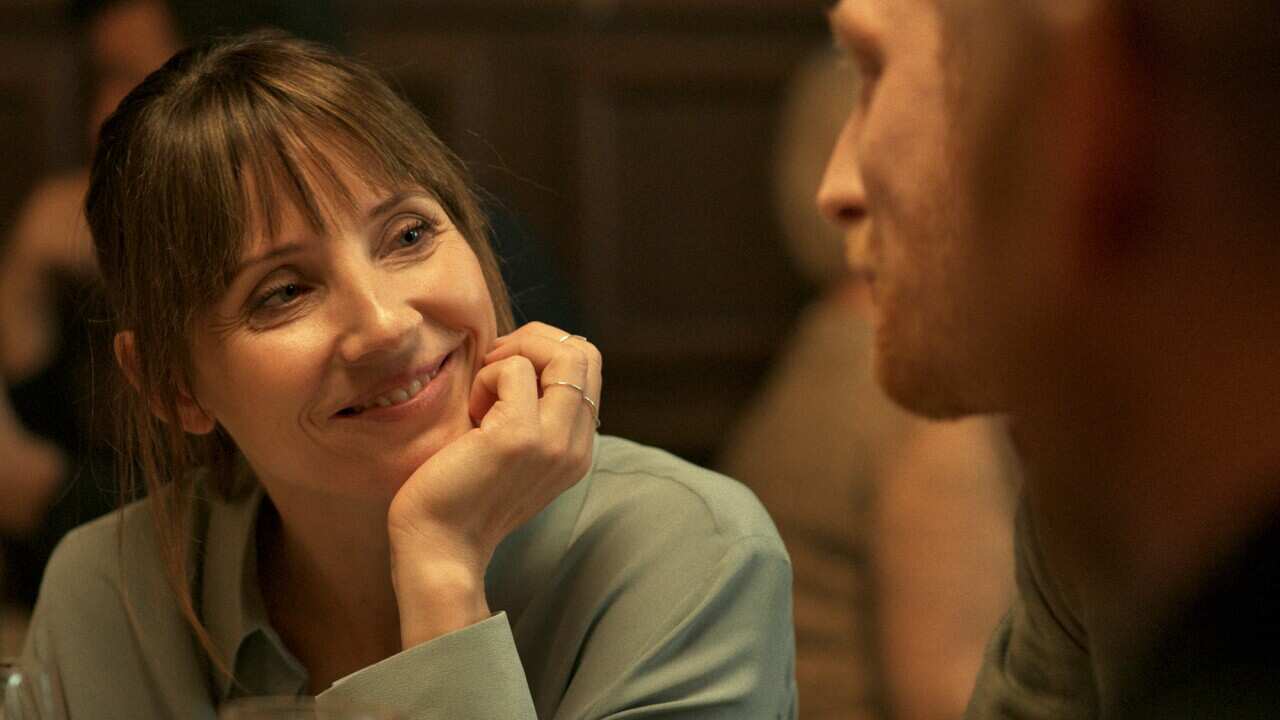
27 691
298 708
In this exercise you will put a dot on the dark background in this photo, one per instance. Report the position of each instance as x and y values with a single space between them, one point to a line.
632 138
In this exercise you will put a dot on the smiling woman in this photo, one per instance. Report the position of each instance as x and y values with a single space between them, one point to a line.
362 483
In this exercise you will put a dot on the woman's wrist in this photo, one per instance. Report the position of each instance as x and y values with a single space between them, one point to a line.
437 593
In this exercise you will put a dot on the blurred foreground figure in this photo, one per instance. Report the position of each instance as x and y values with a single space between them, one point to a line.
898 528
1066 213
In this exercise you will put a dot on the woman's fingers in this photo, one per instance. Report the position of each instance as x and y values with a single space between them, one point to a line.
510 385
568 363
533 440
566 376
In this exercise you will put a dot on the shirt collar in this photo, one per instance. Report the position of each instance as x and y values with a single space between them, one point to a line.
233 609
235 614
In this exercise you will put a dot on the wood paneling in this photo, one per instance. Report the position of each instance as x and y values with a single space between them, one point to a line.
633 137
39 125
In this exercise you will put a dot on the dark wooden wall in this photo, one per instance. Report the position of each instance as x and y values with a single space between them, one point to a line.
633 137
39 113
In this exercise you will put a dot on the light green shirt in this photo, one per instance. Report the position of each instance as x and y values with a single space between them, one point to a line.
652 588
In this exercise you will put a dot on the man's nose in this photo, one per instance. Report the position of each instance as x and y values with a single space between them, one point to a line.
842 199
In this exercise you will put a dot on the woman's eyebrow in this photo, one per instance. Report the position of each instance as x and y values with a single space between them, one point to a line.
382 208
276 252
391 202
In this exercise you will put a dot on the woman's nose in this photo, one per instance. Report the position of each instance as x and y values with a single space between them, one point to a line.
375 321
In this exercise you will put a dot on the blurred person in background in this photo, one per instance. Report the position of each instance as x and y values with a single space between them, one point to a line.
1066 214
48 301
29 475
898 528
29 478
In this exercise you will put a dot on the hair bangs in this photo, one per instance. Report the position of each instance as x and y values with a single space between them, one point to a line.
280 153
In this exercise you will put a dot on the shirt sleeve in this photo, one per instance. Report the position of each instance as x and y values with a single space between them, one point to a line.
472 672
721 648
1038 663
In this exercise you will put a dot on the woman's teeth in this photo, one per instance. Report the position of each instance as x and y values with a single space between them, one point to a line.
402 395
399 395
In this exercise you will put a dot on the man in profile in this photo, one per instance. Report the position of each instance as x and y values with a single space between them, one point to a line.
1066 212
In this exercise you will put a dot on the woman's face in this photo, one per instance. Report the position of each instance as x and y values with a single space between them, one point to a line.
340 361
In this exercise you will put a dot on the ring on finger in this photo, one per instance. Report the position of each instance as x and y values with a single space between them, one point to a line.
570 336
595 410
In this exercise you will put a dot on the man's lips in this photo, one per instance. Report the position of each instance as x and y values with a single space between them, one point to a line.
397 389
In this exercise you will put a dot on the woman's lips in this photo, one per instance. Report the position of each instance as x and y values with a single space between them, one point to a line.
396 396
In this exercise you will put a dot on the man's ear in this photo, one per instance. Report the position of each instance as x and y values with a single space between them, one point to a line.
191 416
1108 130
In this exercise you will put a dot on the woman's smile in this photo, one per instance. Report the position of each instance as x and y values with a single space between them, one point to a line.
364 367
421 390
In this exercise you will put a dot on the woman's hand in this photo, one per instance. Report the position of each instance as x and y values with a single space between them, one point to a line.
532 441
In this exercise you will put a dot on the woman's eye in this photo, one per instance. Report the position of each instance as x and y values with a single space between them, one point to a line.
412 235
279 296
415 234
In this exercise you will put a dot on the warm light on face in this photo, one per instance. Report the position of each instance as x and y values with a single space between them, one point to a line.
341 358
891 186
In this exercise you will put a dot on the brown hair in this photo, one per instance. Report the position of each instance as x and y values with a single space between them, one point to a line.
211 142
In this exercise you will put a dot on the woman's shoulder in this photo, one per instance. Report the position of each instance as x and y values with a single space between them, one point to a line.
652 491
105 603
117 555
650 557
97 547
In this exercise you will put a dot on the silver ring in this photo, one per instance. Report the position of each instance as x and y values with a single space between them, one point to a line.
564 337
595 410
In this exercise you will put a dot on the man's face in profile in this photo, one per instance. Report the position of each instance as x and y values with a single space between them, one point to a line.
933 150
891 186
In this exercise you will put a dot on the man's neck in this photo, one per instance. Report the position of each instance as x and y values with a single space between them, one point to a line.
1140 483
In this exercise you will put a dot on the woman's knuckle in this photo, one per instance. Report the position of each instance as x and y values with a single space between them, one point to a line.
527 442
561 450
